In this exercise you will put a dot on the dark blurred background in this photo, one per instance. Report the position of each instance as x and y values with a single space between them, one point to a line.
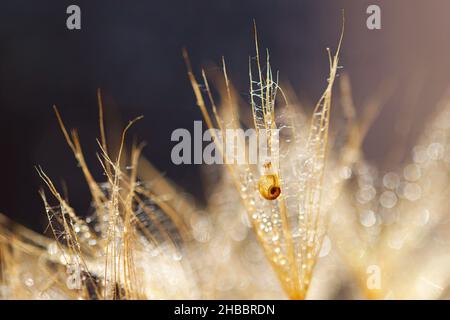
132 50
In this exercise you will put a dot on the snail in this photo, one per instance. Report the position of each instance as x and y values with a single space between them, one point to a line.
269 184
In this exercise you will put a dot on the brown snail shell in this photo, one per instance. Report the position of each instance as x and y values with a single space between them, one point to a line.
269 186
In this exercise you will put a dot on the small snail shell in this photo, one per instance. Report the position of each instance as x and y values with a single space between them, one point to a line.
269 186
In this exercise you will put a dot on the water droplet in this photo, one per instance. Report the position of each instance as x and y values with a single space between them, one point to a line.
412 191
366 193
367 218
326 247
411 172
29 282
391 180
52 248
422 217
345 173
396 242
435 151
419 154
388 199
177 256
